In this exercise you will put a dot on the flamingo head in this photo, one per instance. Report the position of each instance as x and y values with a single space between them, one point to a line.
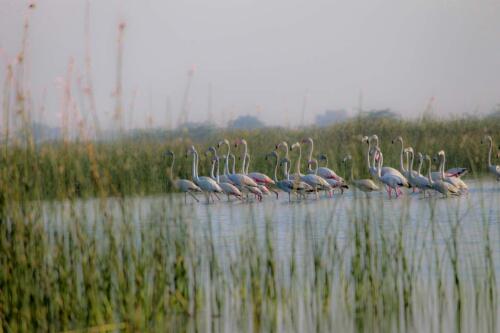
223 142
396 139
190 151
408 150
365 139
282 144
211 149
296 144
169 153
239 142
347 158
374 137
420 156
311 162
306 141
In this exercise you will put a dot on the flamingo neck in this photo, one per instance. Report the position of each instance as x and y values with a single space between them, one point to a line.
226 166
429 176
441 166
217 175
490 151
247 163
194 167
419 168
297 165
311 149
234 164
245 151
316 169
276 169
172 167
368 155
401 163
379 165
410 168
212 170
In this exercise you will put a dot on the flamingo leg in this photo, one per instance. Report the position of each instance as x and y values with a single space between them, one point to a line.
191 194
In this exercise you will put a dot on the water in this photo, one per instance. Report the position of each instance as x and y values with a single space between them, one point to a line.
365 253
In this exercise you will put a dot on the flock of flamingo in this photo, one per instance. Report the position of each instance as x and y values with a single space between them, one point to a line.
321 178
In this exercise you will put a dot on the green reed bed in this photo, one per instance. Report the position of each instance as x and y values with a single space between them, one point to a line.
150 264
137 165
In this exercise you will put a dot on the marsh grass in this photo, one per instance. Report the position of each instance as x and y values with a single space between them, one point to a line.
151 264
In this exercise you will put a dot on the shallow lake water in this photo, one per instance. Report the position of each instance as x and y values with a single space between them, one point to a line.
319 237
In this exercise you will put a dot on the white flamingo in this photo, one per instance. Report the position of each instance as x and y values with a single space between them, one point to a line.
323 172
207 184
183 185
493 169
265 184
391 180
258 177
340 184
285 185
284 146
242 181
372 167
229 189
440 186
456 181
365 185
415 178
314 180
224 177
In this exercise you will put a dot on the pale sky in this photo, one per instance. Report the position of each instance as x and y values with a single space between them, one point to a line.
261 56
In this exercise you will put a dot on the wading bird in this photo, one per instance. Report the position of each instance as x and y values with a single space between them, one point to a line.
440 186
207 184
365 185
183 185
415 179
493 169
393 181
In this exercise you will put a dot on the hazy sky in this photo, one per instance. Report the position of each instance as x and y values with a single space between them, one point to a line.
261 56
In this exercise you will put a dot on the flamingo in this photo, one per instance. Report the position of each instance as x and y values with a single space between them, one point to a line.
415 178
301 188
258 177
284 146
493 169
372 168
314 180
440 186
265 188
404 172
457 182
242 181
323 172
333 183
207 184
365 185
391 180
453 172
183 185
285 185
223 178
229 189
